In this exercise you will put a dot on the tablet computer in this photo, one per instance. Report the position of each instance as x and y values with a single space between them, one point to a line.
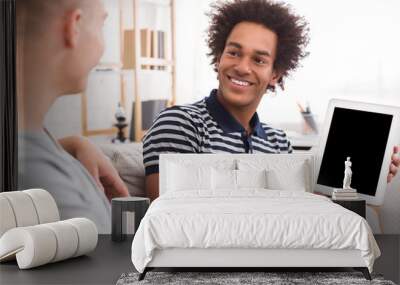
364 132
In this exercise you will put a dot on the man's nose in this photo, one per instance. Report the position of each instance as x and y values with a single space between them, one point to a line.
243 66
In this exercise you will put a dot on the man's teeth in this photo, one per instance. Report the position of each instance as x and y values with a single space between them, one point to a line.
241 83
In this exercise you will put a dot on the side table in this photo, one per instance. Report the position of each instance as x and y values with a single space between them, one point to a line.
357 205
138 205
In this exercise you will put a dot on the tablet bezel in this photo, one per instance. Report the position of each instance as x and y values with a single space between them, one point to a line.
393 139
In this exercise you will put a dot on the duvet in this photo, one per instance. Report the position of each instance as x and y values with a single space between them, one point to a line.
252 218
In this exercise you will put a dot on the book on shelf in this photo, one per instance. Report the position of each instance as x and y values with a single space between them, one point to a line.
128 53
161 47
158 47
154 46
145 42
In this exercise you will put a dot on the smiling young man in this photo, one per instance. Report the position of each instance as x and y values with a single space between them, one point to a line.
254 45
245 70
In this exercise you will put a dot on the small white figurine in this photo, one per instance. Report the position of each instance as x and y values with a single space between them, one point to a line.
120 124
347 174
120 114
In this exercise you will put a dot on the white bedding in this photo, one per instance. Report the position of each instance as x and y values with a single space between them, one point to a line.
251 218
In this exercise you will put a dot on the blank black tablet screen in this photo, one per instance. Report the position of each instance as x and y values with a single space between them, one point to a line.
362 136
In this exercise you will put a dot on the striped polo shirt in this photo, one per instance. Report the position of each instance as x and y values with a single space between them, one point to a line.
207 127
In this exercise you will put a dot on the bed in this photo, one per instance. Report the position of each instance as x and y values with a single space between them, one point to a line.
247 211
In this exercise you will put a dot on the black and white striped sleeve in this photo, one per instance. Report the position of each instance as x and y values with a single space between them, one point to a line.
285 144
279 138
172 132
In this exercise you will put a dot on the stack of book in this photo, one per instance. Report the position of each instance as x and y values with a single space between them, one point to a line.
153 44
344 194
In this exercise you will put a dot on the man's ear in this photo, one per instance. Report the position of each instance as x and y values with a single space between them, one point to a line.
72 28
216 65
217 61
276 76
275 80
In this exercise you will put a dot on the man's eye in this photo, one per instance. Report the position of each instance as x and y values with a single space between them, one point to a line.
233 53
260 61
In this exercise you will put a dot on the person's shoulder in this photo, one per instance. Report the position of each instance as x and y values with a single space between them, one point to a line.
189 113
40 163
36 145
278 137
40 153
177 126
275 132
196 108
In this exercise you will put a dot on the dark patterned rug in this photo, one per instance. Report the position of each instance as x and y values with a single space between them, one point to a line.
243 278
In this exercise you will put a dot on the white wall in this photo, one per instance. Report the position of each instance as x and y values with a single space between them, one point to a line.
195 77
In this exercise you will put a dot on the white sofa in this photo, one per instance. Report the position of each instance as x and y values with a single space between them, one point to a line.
128 160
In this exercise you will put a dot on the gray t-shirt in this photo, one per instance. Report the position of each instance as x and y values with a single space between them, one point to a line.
43 163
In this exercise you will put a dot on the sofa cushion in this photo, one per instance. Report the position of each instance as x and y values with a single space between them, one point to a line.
128 161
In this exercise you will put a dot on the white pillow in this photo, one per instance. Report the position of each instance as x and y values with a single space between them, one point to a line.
282 172
188 177
223 179
295 180
251 179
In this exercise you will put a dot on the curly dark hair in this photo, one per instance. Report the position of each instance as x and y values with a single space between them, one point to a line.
291 30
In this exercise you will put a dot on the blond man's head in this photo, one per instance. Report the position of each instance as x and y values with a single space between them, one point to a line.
62 37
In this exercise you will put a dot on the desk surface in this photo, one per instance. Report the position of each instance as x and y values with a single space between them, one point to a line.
102 266
110 259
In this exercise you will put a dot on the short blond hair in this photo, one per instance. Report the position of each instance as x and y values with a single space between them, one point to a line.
33 16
